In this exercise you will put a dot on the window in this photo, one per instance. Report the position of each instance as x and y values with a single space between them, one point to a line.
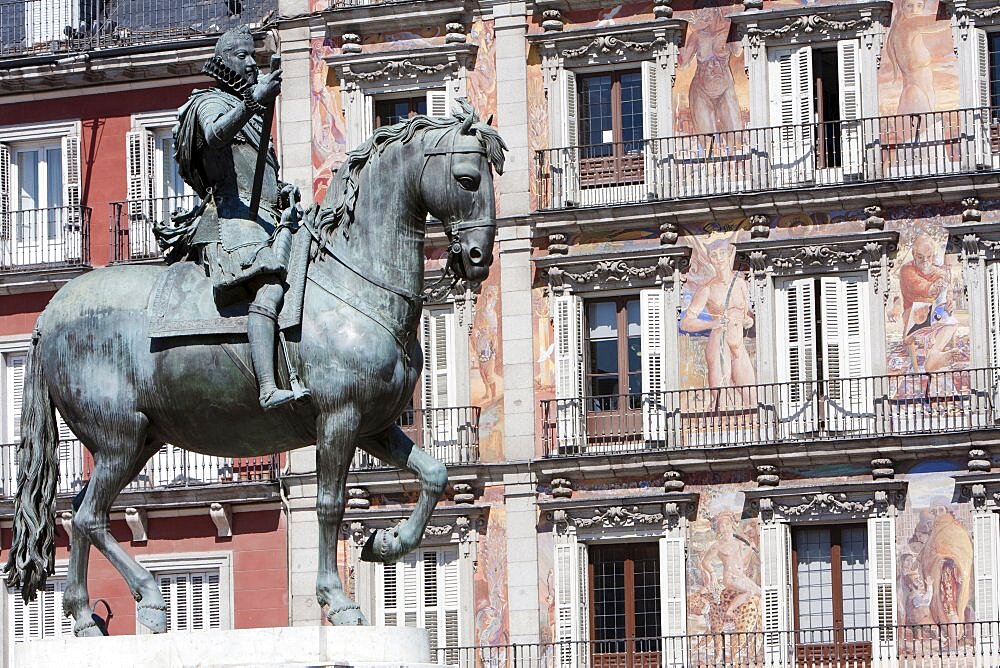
389 112
611 127
42 618
422 590
37 202
196 587
993 58
625 611
614 353
831 593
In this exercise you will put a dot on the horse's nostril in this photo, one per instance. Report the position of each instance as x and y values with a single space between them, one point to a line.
475 255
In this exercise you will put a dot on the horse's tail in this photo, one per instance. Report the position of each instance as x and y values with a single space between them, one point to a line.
32 554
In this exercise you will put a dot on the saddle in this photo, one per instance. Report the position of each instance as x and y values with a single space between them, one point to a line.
182 302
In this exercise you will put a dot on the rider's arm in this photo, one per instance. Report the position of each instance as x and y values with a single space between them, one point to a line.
219 125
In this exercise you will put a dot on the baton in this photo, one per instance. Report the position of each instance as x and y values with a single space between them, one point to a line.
265 143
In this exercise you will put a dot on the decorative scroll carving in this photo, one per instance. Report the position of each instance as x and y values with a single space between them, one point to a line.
617 271
835 502
607 44
400 69
823 503
807 24
965 16
617 516
462 293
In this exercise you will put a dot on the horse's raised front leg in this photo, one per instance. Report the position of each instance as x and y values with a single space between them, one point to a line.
394 447
337 432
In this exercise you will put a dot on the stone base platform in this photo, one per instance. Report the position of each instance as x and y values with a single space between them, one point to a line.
298 647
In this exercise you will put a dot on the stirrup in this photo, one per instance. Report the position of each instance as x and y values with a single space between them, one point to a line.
276 397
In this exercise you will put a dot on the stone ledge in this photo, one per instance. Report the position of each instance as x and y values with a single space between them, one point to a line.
355 646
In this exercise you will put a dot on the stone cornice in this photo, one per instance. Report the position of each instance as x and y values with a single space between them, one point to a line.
821 19
607 44
457 523
651 510
982 489
966 13
394 16
654 266
435 61
830 501
975 241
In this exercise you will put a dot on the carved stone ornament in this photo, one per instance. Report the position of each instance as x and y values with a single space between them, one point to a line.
971 213
609 44
807 24
974 241
461 293
966 16
461 526
368 70
552 20
981 488
836 500
642 269
874 221
617 516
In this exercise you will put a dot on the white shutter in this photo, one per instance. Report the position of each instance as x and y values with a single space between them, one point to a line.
673 608
851 128
194 600
993 311
775 584
981 54
652 305
423 590
567 320
438 105
566 162
651 128
367 120
4 189
572 610
882 585
844 302
70 454
137 163
449 602
985 531
15 369
792 108
71 174
42 618
440 377
980 116
796 343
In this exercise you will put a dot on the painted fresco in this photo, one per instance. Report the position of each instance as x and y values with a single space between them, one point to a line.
716 341
919 66
711 93
934 559
723 575
927 319
490 582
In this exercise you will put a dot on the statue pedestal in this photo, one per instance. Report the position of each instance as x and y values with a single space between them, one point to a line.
299 646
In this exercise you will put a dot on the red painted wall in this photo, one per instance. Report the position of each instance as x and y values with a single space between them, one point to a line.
105 118
259 559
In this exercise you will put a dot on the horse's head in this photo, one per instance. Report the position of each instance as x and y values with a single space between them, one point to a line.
456 186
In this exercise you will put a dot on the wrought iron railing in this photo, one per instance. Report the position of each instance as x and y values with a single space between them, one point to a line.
170 467
132 224
969 645
450 435
846 408
29 27
758 159
38 237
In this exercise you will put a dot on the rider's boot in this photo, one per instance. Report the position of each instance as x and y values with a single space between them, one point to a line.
262 329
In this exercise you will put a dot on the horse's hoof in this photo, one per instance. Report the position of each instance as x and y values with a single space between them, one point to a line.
349 615
89 628
153 617
383 547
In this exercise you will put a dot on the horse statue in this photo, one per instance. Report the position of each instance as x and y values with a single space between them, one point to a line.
124 395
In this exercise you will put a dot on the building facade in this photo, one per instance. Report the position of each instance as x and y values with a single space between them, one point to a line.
729 395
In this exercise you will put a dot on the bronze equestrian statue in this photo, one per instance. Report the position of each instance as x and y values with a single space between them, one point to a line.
125 390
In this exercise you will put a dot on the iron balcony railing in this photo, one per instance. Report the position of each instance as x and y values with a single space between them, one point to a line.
132 225
39 237
966 645
846 408
170 467
757 159
450 435
34 27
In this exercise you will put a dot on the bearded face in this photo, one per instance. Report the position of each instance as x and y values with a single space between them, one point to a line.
239 56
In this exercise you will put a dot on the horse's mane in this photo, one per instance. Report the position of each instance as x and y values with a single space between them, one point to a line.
338 205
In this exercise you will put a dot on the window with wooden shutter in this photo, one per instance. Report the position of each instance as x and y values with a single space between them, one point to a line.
423 590
194 599
41 619
72 198
395 110
438 103
775 584
440 379
5 191
792 113
571 605
882 605
654 165
993 311
654 361
985 529
851 139
566 165
673 593
567 321
14 367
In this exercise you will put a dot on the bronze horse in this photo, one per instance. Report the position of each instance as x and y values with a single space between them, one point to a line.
92 359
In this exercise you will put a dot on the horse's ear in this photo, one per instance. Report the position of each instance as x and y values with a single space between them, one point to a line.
489 120
467 124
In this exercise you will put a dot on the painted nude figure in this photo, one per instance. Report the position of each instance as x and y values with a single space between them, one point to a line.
928 323
725 300
910 57
712 96
734 552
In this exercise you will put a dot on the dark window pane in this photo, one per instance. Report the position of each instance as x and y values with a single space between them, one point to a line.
595 112
631 111
604 356
993 45
604 385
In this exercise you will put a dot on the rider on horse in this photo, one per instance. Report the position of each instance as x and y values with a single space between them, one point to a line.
217 140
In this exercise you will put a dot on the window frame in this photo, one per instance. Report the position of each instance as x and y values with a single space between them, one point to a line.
617 167
170 564
413 102
629 590
622 345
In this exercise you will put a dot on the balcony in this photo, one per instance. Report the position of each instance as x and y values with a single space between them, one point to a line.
37 238
169 468
913 646
450 435
867 150
849 408
38 27
132 225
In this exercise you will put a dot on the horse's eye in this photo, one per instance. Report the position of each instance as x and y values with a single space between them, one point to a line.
468 182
